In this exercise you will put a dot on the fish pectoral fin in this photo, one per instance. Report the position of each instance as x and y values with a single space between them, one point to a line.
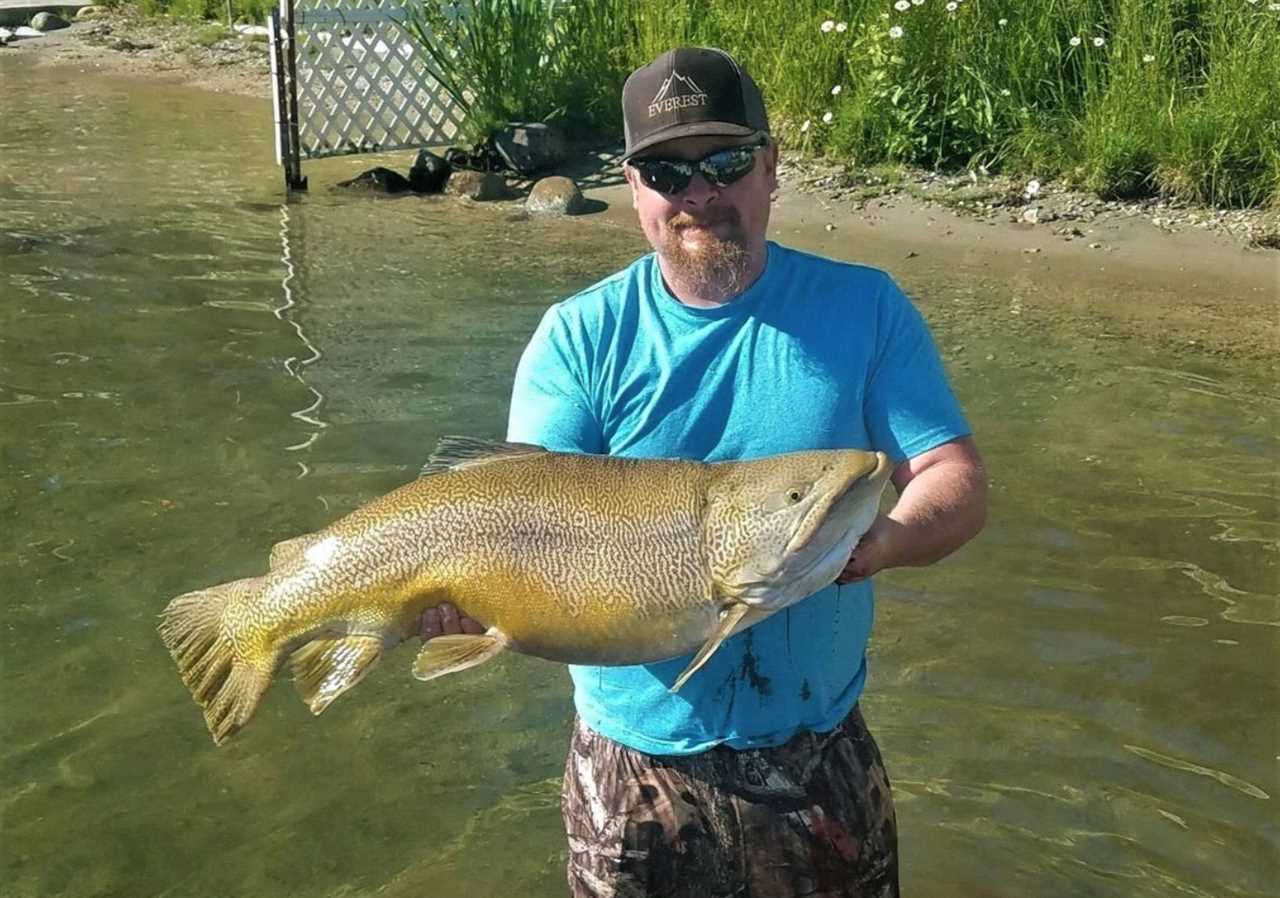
326 667
729 619
450 654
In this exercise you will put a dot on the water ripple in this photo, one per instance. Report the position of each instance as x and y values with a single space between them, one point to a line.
1189 767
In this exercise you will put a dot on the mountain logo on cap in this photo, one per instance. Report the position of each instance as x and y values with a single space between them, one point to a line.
677 92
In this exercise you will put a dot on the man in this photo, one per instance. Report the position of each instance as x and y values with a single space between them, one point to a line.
759 777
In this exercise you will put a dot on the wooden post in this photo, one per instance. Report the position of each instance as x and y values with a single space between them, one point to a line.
296 180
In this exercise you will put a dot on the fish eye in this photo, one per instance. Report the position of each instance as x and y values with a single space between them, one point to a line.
793 495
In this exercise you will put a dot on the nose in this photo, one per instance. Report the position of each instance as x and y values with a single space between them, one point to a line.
700 192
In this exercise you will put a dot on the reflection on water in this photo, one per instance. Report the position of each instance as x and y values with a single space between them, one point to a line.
1082 703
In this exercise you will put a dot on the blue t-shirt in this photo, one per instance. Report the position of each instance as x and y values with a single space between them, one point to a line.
816 354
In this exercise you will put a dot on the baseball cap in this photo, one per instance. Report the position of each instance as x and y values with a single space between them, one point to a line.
687 92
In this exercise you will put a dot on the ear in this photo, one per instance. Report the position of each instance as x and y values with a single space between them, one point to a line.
633 180
771 156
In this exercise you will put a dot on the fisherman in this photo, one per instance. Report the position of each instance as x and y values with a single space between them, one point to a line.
759 777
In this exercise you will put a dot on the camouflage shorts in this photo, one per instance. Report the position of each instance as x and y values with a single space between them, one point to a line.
811 817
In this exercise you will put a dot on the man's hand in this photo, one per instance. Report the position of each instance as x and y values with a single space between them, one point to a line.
444 620
872 552
942 504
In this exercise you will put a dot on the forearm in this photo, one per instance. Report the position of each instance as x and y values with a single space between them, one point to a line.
939 511
942 504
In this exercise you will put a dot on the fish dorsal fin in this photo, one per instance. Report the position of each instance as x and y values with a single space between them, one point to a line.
326 667
454 452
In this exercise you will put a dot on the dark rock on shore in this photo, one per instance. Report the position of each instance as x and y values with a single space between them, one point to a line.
530 148
47 21
429 172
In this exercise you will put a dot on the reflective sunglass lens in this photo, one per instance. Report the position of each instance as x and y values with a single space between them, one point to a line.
663 176
722 168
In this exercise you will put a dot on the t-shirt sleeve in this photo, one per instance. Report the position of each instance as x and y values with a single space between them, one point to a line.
909 407
550 405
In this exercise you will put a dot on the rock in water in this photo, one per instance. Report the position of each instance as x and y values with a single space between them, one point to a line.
476 185
556 195
378 180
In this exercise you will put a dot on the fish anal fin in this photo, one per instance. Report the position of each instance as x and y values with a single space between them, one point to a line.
730 618
328 666
450 654
456 452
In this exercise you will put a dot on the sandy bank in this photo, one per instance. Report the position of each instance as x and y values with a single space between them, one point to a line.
1198 280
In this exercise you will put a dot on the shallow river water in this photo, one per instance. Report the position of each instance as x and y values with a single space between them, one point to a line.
1084 702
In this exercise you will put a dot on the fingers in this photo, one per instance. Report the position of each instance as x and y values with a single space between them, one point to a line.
445 620
449 619
431 626
851 573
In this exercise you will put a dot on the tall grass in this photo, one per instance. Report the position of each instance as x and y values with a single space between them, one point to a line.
505 60
1126 97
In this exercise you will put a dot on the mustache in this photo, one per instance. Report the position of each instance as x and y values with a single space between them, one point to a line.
721 216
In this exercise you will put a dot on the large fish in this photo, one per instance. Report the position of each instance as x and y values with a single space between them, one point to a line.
582 559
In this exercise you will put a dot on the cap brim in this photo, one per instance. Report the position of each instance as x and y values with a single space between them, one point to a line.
691 129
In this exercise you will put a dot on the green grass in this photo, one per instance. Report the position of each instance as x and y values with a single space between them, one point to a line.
1124 97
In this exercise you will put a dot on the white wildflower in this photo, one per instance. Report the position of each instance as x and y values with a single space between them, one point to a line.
842 27
1075 42
1005 92
1033 188
827 26
804 127
1003 22
895 32
835 91
1099 41
952 6
902 5
917 2
1147 57
826 118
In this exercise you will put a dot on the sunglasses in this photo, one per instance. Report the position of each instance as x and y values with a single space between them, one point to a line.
721 168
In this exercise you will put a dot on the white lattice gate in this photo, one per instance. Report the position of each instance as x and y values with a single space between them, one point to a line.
347 78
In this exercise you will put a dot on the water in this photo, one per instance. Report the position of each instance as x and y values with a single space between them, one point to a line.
1084 702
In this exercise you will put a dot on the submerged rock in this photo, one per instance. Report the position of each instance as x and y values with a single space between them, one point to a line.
47 21
555 195
378 180
530 148
476 185
429 172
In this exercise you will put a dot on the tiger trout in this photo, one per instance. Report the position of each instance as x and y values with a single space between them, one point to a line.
580 559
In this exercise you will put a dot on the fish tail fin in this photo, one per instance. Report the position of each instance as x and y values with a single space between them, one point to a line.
227 688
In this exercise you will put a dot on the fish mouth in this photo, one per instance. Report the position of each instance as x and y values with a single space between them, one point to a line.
860 490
